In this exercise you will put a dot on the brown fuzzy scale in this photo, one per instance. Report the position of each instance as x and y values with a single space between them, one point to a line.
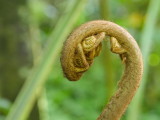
133 64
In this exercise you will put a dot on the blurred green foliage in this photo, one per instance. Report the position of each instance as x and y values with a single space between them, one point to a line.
60 99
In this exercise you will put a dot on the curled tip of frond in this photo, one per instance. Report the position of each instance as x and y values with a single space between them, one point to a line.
85 43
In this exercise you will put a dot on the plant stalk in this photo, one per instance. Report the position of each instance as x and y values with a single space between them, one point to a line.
146 45
40 73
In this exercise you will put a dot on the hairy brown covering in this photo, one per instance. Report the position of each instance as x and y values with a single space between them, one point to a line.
74 54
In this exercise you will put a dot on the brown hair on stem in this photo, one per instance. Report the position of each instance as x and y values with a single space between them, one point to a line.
84 44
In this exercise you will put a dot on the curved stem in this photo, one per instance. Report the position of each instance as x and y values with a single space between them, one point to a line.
133 63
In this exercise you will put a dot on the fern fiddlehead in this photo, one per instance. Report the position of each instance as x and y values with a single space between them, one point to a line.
84 44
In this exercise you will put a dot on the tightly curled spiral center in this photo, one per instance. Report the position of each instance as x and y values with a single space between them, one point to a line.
86 51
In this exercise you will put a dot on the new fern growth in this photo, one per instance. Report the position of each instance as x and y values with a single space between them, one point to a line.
85 43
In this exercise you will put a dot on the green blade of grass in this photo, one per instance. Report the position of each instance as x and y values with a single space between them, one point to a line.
146 46
104 9
107 57
37 78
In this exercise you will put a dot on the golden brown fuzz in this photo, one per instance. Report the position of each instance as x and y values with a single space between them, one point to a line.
85 43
